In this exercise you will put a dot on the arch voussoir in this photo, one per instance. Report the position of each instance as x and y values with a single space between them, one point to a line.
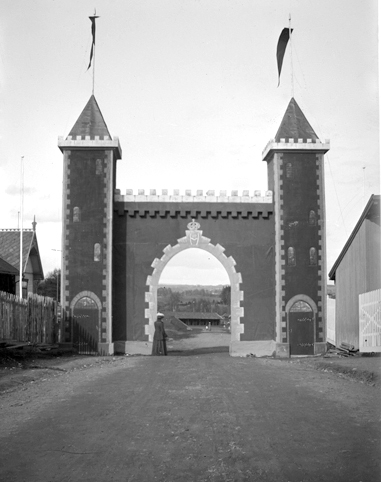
155 263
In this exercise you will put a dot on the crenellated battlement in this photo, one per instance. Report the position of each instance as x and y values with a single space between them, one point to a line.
86 141
296 145
199 196
15 230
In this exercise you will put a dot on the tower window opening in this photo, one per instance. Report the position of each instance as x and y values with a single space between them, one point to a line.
98 167
289 170
313 257
291 258
312 218
76 215
97 252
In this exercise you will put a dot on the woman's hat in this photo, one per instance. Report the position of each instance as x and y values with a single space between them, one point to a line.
160 315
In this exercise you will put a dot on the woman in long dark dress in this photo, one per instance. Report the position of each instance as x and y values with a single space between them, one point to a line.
159 346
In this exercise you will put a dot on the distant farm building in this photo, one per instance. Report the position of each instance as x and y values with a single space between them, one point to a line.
191 318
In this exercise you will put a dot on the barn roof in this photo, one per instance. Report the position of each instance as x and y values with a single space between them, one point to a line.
192 315
10 249
294 125
371 211
90 122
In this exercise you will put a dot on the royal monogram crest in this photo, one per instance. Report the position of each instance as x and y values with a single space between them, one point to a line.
194 232
193 226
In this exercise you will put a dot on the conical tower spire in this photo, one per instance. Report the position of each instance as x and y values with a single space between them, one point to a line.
294 125
294 134
90 123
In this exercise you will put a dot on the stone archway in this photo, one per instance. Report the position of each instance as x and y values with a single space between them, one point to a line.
195 239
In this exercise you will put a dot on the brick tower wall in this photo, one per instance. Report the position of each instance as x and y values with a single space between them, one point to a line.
87 177
299 195
85 189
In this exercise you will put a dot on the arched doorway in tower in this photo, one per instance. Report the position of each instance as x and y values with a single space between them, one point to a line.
301 320
194 295
86 322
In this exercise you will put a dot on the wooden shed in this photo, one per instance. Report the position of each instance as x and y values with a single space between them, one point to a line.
191 318
357 271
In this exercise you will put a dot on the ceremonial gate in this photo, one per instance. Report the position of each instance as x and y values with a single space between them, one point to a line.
272 244
150 229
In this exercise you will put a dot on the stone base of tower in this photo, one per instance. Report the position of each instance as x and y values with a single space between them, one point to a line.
282 350
106 349
133 347
257 348
320 348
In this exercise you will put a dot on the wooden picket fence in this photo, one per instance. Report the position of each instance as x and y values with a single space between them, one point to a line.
31 320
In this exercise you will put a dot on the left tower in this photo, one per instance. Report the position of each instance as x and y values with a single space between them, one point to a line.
89 176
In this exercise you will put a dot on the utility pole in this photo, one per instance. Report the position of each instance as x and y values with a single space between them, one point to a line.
21 227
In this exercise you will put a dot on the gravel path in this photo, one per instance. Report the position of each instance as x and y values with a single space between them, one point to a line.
202 417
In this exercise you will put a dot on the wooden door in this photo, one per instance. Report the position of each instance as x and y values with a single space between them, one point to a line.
301 329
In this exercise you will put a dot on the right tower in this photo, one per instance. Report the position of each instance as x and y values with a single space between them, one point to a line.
295 165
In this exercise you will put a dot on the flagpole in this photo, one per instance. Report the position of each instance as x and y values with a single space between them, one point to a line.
21 226
292 66
94 69
92 51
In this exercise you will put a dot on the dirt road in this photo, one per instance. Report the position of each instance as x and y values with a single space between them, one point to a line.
202 417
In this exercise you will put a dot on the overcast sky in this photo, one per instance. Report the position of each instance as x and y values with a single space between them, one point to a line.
190 88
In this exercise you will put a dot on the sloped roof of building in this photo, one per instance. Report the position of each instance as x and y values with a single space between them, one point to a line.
371 211
6 268
10 249
294 125
192 315
90 122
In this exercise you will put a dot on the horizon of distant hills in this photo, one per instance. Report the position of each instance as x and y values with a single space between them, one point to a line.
184 287
331 289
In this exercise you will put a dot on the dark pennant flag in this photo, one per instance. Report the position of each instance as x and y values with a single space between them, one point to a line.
92 19
281 48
